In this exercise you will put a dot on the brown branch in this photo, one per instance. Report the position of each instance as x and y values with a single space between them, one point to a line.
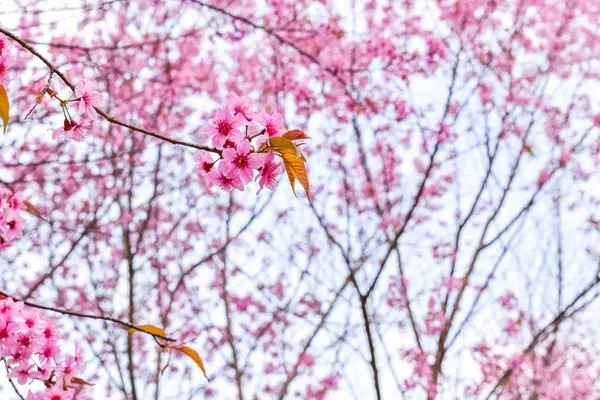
228 319
88 316
286 42
568 312
101 112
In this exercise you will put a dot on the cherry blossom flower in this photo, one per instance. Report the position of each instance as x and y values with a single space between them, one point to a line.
21 372
88 99
31 321
223 179
57 393
269 173
50 350
242 161
241 105
11 222
225 127
43 371
273 124
72 130
205 163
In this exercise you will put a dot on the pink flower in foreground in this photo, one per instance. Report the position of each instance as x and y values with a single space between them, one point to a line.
72 130
31 321
3 46
225 127
57 393
33 396
224 180
241 105
269 173
11 224
21 372
205 163
242 161
50 350
273 124
88 99
43 372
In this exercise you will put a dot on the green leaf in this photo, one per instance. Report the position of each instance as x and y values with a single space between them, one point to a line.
4 107
191 353
151 329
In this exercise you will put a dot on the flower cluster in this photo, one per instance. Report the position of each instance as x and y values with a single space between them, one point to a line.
30 351
232 132
11 222
86 99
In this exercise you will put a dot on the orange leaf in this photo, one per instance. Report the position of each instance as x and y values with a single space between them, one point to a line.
31 209
291 177
296 168
296 135
4 107
281 143
191 353
151 329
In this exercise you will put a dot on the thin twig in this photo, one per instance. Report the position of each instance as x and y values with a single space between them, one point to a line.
89 316
112 120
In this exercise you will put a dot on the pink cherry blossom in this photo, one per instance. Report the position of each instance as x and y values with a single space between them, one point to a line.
270 171
241 105
205 163
225 126
224 179
57 393
21 372
88 100
242 161
72 130
272 124
11 222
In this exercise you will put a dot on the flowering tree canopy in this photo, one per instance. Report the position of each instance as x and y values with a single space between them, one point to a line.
439 240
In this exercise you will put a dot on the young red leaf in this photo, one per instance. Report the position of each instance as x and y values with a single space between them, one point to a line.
4 107
296 134
191 353
78 381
